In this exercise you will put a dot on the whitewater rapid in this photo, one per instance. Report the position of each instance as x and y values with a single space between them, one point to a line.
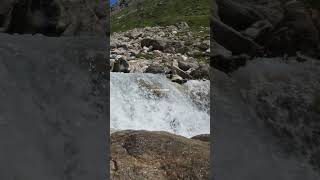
141 101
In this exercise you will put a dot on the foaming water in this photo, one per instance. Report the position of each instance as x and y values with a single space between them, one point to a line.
152 102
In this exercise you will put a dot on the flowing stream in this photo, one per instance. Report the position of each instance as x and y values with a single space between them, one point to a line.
143 101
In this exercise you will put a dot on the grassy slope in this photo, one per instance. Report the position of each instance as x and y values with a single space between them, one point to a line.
194 12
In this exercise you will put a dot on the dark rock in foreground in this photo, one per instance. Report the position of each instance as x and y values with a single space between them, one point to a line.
157 155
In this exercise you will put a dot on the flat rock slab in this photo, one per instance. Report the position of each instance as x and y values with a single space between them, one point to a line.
158 155
53 119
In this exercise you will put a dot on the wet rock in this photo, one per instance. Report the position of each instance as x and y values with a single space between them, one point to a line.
233 40
214 10
177 79
111 65
229 64
236 15
185 65
296 32
155 69
181 73
315 14
272 11
218 50
121 65
202 72
258 29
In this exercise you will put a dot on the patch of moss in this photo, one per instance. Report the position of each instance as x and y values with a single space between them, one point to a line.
145 56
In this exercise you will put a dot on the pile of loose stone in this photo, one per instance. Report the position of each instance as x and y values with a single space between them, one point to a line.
176 50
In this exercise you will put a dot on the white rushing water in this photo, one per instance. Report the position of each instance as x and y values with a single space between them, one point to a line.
152 102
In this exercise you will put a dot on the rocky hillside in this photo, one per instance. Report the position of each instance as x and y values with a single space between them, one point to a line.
128 14
172 50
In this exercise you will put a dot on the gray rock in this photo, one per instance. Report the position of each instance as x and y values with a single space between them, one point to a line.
157 44
296 32
183 26
237 15
181 73
164 45
218 50
177 79
202 72
54 18
121 65
232 39
229 64
185 65
155 69
258 30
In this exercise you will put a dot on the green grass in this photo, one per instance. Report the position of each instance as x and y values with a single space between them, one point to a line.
152 13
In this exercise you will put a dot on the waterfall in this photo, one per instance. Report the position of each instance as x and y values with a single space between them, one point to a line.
142 101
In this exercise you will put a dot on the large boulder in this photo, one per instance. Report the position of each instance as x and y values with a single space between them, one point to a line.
229 64
155 69
271 10
232 39
237 15
157 44
214 9
157 155
164 45
296 32
54 18
258 30
120 65
202 72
